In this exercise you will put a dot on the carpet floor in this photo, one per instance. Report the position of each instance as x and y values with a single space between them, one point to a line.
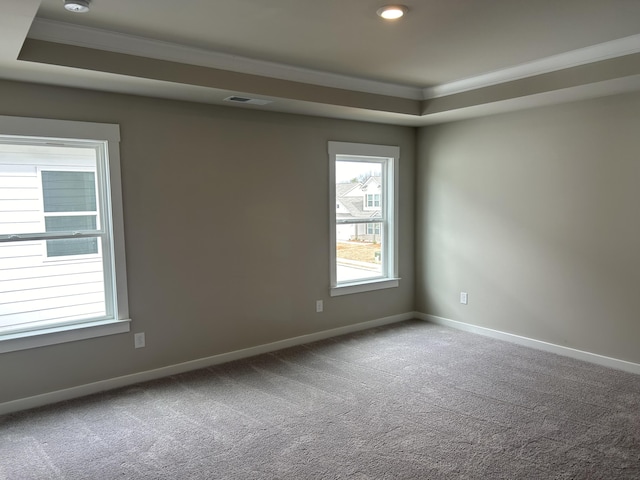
406 401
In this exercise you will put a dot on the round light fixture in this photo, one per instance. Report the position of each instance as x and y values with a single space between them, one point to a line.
392 12
77 6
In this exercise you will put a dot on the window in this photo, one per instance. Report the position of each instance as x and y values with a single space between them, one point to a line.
373 200
373 228
364 234
70 203
62 265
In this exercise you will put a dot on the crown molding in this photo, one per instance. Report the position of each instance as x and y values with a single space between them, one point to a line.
102 40
616 86
582 56
80 36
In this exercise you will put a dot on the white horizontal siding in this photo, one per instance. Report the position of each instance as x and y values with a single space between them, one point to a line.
22 261
31 294
41 307
54 269
21 217
18 255
20 200
42 283
52 292
21 205
14 182
21 249
11 170
27 227
54 322
20 194
53 315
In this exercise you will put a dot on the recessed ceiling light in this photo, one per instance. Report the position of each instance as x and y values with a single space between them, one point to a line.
392 12
77 6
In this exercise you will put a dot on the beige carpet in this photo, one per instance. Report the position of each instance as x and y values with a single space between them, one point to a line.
410 401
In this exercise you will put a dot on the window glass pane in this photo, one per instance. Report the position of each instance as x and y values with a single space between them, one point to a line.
71 246
70 223
69 191
358 259
358 189
359 196
65 191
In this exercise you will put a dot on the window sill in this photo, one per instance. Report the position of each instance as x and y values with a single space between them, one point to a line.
69 333
349 288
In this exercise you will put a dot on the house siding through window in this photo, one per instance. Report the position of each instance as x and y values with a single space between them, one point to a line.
36 285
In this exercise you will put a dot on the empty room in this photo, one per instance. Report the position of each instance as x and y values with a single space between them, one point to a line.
302 239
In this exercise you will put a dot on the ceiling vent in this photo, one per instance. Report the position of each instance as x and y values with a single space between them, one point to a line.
247 100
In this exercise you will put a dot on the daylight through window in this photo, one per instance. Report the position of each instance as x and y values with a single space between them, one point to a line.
364 223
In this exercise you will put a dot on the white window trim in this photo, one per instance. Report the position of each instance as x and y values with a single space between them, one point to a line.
364 152
102 132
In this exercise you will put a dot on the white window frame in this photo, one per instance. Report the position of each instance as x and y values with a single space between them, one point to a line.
389 156
108 137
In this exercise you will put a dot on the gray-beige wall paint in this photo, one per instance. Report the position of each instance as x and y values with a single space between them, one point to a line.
535 215
226 222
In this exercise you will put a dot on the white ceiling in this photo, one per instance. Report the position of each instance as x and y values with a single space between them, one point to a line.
442 48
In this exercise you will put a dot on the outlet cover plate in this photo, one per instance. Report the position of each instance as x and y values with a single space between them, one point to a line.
464 298
139 340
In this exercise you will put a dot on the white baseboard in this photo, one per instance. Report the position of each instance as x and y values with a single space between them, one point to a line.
532 343
109 384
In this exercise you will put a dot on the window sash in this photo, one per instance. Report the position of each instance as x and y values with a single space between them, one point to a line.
380 218
345 221
68 190
30 237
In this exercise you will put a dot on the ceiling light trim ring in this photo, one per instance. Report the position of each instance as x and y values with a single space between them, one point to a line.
392 12
77 6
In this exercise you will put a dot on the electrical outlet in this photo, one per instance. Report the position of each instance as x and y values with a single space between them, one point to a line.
138 340
464 298
319 306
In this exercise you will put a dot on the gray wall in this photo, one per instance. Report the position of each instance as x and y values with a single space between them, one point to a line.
226 221
535 215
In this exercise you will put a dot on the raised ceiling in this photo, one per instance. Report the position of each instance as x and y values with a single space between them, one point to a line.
444 60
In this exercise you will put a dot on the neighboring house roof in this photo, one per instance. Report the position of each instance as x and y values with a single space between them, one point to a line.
343 189
371 182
